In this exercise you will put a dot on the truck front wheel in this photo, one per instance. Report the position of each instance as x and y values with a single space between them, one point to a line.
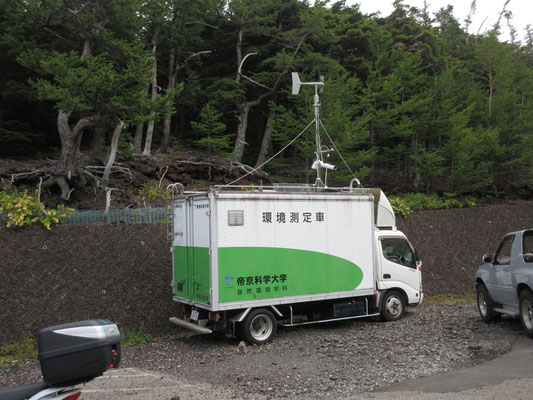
526 311
259 326
393 306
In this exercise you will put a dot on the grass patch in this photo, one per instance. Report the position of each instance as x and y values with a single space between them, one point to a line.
136 337
15 355
451 299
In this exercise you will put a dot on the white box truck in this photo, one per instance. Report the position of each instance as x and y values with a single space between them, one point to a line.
248 258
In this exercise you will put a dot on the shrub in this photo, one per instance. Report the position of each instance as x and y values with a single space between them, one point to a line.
419 201
132 337
147 192
21 209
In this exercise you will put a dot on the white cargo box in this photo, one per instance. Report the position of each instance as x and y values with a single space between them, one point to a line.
239 249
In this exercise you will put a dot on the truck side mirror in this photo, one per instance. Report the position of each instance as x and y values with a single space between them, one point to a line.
418 262
487 258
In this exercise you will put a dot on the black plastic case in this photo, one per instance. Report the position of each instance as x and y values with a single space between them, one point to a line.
79 351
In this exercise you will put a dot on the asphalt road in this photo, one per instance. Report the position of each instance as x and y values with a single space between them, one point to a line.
509 376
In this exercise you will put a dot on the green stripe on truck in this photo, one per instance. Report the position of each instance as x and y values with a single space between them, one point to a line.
250 273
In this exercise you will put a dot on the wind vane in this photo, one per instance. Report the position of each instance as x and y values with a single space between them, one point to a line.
320 150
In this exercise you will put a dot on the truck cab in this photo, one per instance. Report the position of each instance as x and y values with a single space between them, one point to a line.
398 266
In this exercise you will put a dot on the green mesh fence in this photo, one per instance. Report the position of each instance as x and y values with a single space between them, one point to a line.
116 216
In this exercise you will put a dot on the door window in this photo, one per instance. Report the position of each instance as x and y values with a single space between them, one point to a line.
503 255
527 242
398 251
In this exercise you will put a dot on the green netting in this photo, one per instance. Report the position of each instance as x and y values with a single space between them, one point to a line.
116 216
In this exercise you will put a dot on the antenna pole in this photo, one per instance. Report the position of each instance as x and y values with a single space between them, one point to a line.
319 162
316 106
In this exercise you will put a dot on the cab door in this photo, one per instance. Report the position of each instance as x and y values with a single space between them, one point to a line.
399 265
501 277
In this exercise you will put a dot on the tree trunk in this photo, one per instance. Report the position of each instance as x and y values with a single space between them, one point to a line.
138 140
238 148
172 73
68 167
68 162
170 86
173 69
165 141
112 152
87 49
70 137
267 140
491 89
239 53
151 122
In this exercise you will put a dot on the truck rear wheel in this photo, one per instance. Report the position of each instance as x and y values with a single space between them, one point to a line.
485 305
393 306
259 326
526 311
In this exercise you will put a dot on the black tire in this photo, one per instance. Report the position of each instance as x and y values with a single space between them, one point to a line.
259 326
526 311
393 306
485 305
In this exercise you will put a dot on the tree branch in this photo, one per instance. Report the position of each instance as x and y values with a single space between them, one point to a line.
85 123
180 66
250 79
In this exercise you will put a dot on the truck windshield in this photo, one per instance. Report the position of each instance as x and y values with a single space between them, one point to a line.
398 251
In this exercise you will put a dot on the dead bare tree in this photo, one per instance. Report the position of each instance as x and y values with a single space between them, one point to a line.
174 68
151 122
244 108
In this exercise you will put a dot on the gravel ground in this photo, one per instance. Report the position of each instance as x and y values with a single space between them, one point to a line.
324 361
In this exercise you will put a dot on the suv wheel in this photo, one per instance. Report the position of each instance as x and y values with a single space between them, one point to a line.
485 305
526 311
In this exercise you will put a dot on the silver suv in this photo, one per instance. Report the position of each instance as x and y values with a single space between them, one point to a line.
504 284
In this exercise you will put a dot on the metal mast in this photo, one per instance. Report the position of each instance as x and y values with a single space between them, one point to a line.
319 162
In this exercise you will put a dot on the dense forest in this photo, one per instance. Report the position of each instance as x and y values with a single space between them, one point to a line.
412 101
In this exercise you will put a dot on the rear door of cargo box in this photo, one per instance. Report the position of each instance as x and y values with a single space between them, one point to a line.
191 249
198 250
180 248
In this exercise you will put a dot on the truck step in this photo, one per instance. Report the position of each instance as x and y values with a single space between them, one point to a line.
347 309
189 325
327 320
508 311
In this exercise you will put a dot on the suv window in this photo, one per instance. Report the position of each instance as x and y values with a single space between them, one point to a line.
527 243
503 255
398 251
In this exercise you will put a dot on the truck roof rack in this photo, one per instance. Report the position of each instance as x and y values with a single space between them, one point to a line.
290 187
